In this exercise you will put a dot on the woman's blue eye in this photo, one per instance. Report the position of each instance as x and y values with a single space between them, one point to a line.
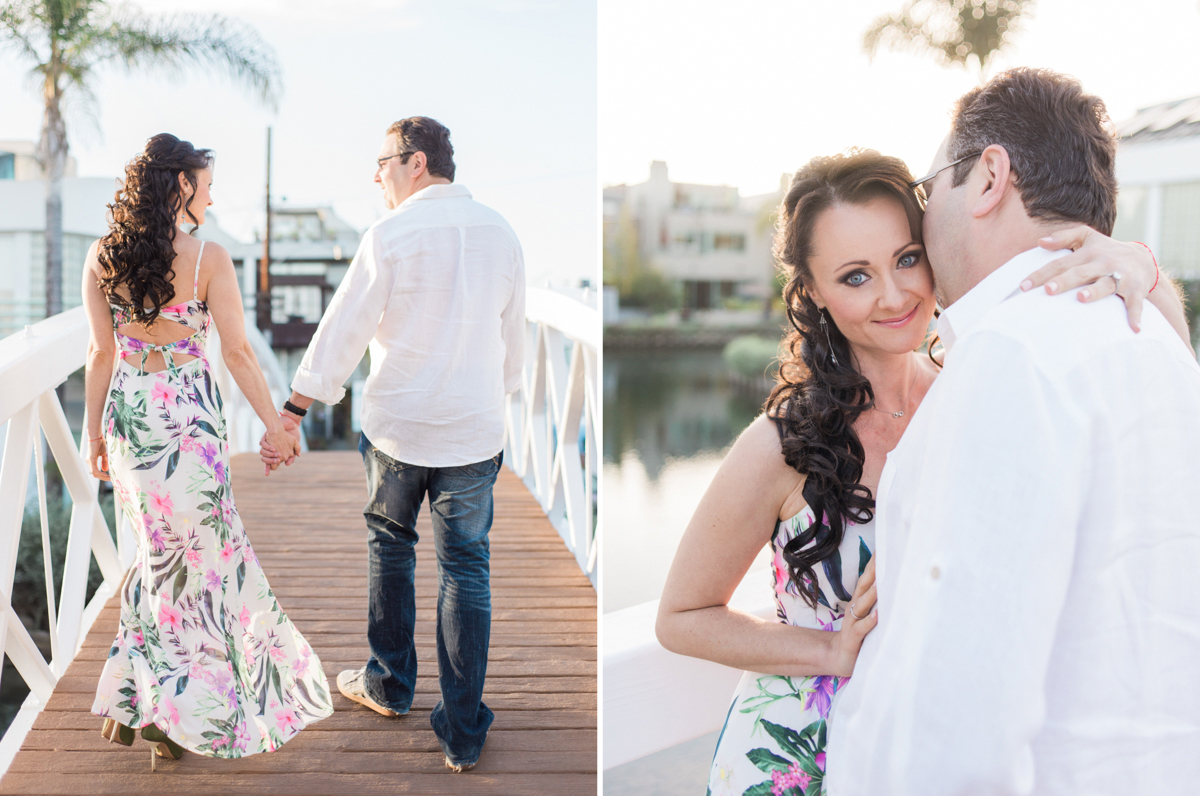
855 279
909 260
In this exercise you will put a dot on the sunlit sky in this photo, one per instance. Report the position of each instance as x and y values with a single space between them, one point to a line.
514 80
738 94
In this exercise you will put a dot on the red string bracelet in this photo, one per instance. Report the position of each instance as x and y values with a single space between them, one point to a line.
1157 272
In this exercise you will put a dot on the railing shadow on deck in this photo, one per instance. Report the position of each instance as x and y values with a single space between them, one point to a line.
552 428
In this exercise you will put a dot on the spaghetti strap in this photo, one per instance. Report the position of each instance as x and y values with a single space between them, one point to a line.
196 278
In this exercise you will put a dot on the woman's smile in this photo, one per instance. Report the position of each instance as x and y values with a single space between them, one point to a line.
901 322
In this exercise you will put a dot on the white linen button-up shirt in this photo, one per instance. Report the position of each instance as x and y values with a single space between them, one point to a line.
1038 543
437 289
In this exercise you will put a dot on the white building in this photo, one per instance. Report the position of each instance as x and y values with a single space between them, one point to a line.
1158 169
22 233
708 238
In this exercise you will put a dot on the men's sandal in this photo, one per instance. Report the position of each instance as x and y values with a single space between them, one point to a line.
350 683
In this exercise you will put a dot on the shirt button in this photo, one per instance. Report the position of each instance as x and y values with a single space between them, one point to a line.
935 572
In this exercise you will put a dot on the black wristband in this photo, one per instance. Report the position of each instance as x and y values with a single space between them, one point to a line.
291 407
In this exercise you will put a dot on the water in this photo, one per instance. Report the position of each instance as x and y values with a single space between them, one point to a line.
669 418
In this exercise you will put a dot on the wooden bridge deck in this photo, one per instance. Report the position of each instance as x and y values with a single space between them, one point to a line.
306 526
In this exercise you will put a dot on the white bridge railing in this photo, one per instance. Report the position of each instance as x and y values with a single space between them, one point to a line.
552 423
33 363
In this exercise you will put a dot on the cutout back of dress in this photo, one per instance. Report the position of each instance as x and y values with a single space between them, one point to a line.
189 316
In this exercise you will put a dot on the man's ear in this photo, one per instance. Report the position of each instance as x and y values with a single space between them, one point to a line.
996 171
418 162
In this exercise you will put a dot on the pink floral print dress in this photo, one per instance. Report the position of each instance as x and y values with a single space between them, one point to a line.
773 741
203 649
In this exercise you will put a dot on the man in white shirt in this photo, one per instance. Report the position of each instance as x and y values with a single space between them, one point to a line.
1038 526
437 291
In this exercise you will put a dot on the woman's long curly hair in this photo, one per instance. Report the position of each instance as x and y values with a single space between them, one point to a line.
139 248
817 399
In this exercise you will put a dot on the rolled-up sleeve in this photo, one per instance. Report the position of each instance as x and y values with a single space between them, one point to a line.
348 325
512 321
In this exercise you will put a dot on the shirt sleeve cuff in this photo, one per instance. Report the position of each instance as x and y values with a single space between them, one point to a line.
312 385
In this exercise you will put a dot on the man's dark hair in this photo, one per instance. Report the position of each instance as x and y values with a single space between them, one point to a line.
1060 144
422 134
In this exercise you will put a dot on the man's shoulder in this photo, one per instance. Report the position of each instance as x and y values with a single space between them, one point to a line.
1060 332
456 211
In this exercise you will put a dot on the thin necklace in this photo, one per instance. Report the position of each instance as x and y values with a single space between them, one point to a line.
910 386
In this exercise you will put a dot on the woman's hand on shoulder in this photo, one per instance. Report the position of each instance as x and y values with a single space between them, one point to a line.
850 637
1094 258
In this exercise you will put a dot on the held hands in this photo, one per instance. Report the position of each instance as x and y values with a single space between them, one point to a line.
1094 258
849 639
280 447
98 459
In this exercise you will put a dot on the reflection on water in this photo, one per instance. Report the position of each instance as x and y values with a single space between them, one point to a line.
669 417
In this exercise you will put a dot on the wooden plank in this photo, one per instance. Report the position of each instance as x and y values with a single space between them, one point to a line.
133 760
413 740
84 682
169 779
360 718
541 669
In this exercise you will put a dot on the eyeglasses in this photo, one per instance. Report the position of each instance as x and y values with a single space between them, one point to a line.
381 161
933 174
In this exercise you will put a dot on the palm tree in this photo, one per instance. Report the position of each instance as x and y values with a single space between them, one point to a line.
951 30
67 41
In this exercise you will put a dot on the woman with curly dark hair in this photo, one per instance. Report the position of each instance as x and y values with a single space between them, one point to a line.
860 299
204 658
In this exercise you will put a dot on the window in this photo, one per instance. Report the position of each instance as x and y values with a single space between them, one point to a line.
1181 230
685 240
7 165
729 241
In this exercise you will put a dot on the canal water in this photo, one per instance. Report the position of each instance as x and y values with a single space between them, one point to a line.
670 415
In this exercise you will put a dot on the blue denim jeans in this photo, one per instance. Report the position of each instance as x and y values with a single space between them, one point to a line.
460 499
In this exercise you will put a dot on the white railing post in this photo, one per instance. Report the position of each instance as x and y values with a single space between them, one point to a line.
557 403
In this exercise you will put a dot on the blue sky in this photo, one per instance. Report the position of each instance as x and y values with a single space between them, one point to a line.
514 80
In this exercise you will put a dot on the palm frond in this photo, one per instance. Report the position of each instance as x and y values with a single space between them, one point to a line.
951 30
140 42
82 107
19 29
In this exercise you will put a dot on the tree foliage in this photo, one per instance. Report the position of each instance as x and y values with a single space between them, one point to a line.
65 42
953 31
638 283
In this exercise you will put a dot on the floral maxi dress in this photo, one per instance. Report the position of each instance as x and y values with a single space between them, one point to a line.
773 741
203 649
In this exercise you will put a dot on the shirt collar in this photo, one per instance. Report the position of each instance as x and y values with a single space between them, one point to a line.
438 191
998 286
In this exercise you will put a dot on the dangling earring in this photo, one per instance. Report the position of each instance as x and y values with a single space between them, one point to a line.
828 340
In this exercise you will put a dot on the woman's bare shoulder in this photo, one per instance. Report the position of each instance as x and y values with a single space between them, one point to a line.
762 436
760 450
768 444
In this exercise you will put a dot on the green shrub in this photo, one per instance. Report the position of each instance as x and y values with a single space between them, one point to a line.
751 356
